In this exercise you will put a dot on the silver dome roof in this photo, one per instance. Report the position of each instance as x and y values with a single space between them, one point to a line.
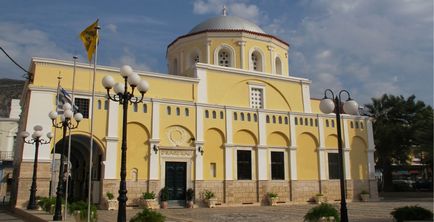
227 23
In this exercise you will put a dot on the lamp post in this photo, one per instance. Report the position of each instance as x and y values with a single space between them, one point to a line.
65 123
123 96
37 140
333 104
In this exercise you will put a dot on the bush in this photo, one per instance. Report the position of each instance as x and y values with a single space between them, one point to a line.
46 202
272 195
148 215
110 195
364 192
164 194
148 195
411 213
322 210
207 194
82 207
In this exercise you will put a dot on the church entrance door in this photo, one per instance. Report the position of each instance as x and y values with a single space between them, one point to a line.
175 182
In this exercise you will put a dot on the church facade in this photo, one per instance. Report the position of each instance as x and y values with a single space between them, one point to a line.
227 118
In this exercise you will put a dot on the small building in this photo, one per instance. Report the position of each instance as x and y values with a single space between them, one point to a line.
227 118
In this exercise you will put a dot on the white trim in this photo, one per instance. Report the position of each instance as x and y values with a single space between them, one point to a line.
262 88
199 142
208 45
229 168
242 45
110 163
306 98
371 150
273 67
155 120
277 56
322 158
285 165
231 70
262 163
232 55
202 86
229 132
293 148
346 151
262 129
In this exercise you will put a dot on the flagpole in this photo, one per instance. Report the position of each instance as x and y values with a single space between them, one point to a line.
69 140
91 124
52 185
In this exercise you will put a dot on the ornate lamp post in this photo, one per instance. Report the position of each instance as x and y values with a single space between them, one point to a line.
65 123
37 140
329 105
123 96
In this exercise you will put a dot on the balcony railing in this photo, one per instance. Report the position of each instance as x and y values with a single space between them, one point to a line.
6 155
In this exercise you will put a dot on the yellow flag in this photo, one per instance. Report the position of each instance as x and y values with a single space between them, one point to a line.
89 36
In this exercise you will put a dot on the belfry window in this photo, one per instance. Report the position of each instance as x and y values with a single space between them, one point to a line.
256 98
224 58
256 61
278 65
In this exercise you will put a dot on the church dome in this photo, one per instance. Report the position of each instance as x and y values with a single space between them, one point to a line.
227 23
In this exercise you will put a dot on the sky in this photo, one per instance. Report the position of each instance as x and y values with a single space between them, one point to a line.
368 47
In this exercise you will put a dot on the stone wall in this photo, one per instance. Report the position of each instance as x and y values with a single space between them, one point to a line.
304 190
25 182
216 186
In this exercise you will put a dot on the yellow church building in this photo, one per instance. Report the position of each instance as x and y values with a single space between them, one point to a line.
227 118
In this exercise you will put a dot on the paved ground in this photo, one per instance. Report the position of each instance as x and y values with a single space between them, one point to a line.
378 211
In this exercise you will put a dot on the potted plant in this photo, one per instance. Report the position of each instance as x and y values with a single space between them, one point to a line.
272 198
210 198
190 197
411 213
320 198
148 200
148 215
364 195
79 211
164 196
322 212
112 203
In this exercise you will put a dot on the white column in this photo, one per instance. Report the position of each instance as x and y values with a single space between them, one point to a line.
262 149
229 147
202 87
273 65
208 46
199 143
346 150
154 141
306 98
321 150
110 163
293 149
242 45
371 150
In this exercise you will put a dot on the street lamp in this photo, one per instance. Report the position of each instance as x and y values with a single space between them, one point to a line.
124 97
333 104
65 123
37 140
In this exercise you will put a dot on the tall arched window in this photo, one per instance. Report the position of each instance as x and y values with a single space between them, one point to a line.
256 58
278 65
224 58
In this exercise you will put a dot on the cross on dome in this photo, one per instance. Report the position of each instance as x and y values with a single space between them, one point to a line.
224 11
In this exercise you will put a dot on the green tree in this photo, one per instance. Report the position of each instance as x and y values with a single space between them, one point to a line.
401 126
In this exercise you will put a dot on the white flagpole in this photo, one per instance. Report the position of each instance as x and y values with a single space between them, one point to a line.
54 141
68 172
91 125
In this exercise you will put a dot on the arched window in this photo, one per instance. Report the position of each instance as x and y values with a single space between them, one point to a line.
255 117
224 58
178 111
169 110
361 125
106 104
99 104
278 66
352 124
194 58
301 121
311 122
235 116
242 116
286 120
187 112
214 114
280 120
357 125
296 121
333 124
249 118
267 119
274 119
135 108
327 123
256 58
206 114
145 108
221 115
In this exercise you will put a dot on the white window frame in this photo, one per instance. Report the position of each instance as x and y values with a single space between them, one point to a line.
230 50
252 167
285 161
90 103
260 52
327 162
256 86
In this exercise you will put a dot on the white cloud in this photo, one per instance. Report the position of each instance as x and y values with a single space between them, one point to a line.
240 9
112 28
129 58
22 43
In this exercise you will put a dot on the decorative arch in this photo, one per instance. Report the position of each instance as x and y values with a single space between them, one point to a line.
138 150
219 52
277 139
278 65
260 59
359 158
245 137
213 156
307 157
177 135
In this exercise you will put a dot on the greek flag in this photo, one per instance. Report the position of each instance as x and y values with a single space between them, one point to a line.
63 97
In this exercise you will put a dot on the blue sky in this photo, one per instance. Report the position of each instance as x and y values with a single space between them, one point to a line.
369 47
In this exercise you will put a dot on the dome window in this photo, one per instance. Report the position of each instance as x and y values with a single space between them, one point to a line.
256 61
224 58
278 65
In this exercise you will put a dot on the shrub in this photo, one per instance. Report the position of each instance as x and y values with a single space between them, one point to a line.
207 194
322 210
148 195
190 194
148 215
364 192
411 213
164 194
110 195
272 195
82 207
46 202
